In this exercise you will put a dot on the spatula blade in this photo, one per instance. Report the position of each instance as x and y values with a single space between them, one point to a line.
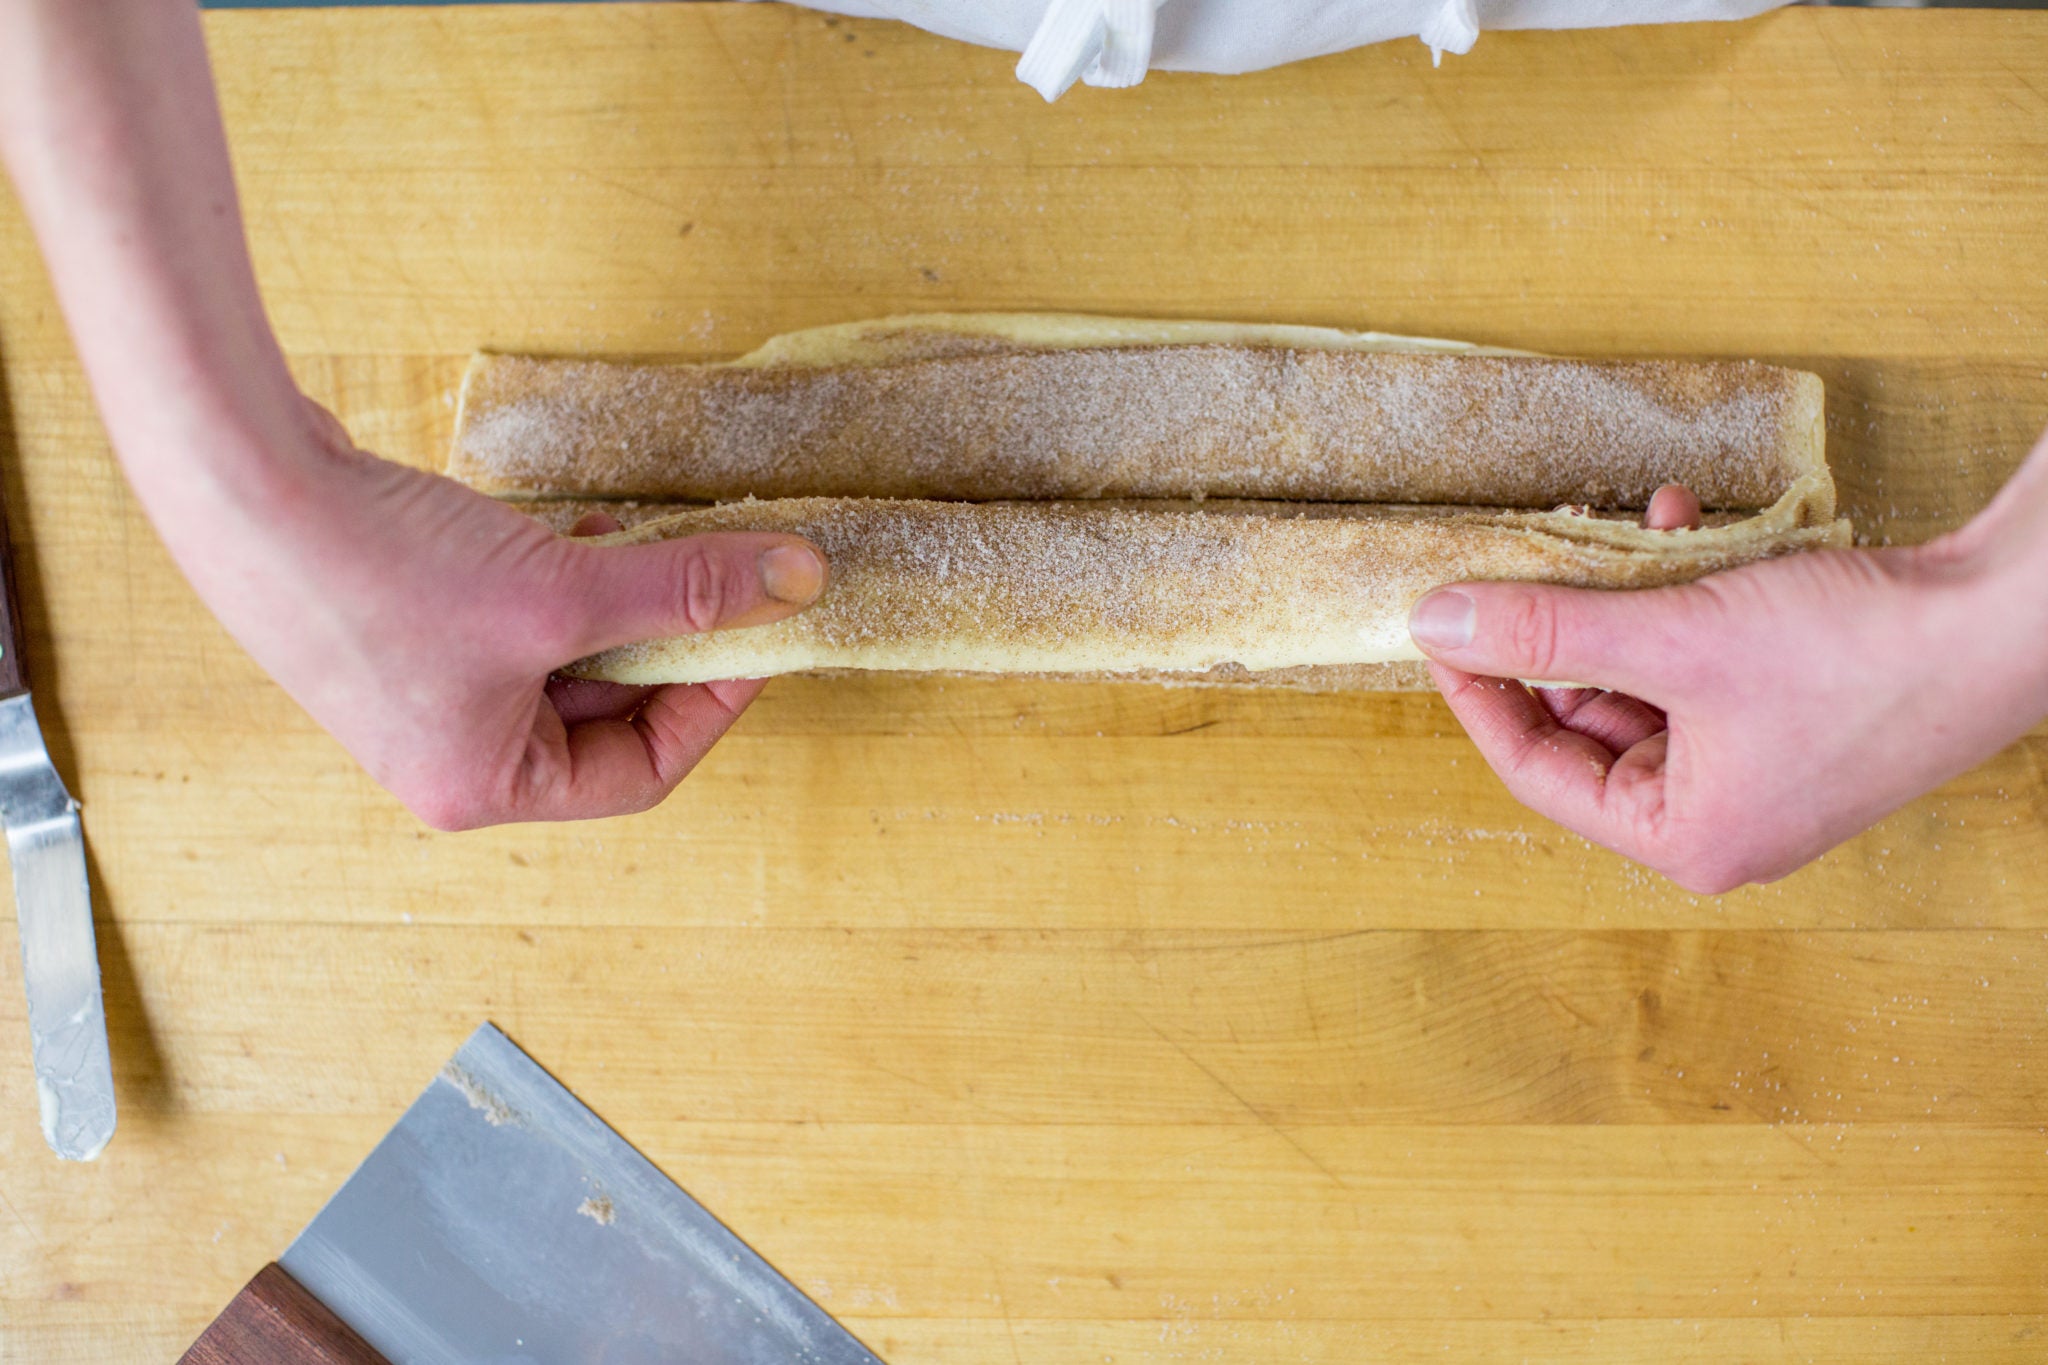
60 967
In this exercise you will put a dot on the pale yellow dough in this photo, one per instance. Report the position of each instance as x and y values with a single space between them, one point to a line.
1306 593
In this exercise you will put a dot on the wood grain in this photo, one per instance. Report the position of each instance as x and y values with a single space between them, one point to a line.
274 1321
1019 1022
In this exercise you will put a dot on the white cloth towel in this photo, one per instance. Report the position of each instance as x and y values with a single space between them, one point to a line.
1114 42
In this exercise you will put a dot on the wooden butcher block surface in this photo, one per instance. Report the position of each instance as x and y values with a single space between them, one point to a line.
1020 1022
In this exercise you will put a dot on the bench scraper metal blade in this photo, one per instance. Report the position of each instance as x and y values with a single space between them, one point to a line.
502 1221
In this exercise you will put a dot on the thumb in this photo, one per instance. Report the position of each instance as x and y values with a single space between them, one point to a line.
1615 640
684 587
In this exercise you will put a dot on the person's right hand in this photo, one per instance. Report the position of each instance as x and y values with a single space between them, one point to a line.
1761 716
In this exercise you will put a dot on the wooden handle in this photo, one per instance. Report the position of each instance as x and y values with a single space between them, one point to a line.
274 1321
13 667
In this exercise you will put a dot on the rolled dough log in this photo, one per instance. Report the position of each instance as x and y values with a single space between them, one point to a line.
1078 587
562 514
988 407
1299 586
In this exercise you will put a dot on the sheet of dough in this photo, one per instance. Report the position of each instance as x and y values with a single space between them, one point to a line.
988 407
1307 596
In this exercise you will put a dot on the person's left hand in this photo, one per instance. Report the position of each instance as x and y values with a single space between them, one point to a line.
422 624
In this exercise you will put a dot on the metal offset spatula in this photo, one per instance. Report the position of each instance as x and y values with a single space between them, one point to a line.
503 1222
67 1025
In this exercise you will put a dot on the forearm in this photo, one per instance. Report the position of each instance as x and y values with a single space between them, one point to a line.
1995 571
2010 536
110 130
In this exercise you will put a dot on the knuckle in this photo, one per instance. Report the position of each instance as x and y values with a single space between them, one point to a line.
640 799
702 583
1717 883
1530 631
450 810
1703 879
1708 867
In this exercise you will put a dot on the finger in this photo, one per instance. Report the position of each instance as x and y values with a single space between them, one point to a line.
1611 798
1672 508
1615 640
1564 702
683 587
1547 767
617 767
327 428
1617 720
595 524
580 699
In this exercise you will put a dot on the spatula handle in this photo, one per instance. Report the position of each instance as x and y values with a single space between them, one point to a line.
274 1321
13 667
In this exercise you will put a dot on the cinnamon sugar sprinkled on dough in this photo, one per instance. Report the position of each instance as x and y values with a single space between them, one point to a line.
992 407
1175 421
1052 587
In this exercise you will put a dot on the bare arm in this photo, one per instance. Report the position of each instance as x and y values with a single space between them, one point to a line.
417 621
109 128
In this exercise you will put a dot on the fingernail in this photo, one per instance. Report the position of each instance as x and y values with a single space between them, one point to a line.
792 573
1445 619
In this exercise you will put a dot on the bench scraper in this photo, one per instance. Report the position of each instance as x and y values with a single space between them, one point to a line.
501 1221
